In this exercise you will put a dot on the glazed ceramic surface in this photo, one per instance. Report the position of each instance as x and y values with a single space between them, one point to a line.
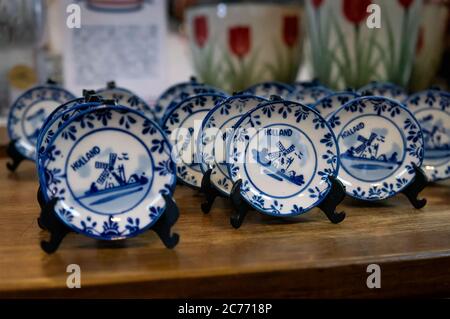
216 129
47 133
284 153
430 43
235 45
379 142
267 89
349 50
182 125
127 98
179 92
109 176
309 95
432 110
329 104
28 114
385 89
300 85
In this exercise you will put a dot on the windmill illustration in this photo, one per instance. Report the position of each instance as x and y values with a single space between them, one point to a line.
277 163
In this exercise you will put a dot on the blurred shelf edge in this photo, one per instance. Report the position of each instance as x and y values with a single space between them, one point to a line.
305 257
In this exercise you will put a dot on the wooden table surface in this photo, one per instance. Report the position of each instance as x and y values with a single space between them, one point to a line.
267 257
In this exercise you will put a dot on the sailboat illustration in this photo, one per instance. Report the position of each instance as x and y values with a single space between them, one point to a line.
366 155
436 137
36 119
112 182
277 164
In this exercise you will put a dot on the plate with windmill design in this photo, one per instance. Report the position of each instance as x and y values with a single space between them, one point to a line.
182 125
284 153
28 114
330 103
267 89
216 129
108 177
127 98
432 110
385 89
309 95
380 142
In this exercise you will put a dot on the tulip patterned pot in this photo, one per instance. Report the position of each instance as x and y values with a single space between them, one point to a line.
233 45
430 43
345 52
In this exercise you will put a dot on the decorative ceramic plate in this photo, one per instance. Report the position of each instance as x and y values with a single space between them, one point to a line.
216 129
385 89
327 105
284 153
178 92
109 175
29 112
182 125
379 141
432 109
309 95
48 131
127 98
267 89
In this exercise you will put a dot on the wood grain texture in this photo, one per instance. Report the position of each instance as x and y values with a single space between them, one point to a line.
305 256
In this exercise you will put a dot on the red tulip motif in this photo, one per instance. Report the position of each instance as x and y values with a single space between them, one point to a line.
355 11
290 30
317 3
239 40
405 3
200 30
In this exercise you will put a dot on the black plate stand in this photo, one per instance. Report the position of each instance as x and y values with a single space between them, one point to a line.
328 205
210 192
412 191
14 155
58 230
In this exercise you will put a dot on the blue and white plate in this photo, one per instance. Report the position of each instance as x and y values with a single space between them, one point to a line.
127 98
216 129
327 105
182 125
309 95
284 153
380 141
29 112
385 89
432 109
179 92
267 89
108 168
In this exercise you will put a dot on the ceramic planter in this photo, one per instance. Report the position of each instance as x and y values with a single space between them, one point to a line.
346 53
430 43
236 45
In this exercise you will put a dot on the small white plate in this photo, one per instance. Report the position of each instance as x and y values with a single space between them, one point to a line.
330 103
216 128
432 110
380 141
108 176
182 125
284 153
309 95
267 89
28 114
385 89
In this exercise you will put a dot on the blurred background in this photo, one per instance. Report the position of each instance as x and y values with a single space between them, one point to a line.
147 45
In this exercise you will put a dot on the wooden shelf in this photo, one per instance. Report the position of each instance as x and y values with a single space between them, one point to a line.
267 257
